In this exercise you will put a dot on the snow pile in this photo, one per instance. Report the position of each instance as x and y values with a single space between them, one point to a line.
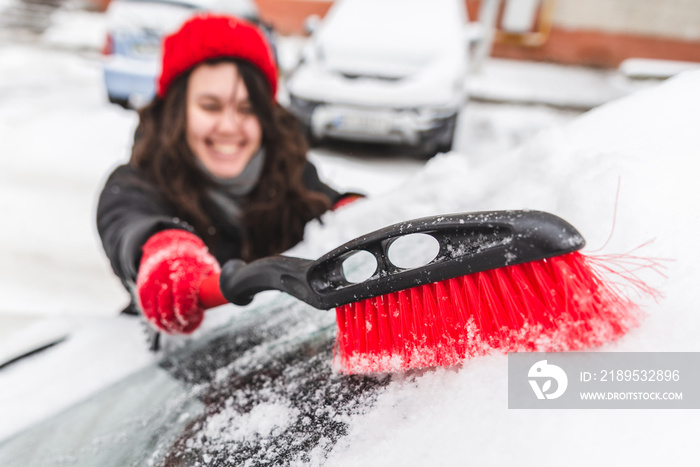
647 144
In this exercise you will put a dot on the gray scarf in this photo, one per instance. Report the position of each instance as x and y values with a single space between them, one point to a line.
227 193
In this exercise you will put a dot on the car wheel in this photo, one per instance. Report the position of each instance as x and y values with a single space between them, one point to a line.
311 140
446 147
439 142
427 149
445 144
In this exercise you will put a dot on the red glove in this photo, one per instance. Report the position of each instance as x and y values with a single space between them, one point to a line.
173 265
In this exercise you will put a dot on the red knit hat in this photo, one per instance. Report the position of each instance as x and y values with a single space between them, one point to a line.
211 36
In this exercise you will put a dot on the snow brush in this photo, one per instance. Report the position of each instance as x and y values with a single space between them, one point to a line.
501 280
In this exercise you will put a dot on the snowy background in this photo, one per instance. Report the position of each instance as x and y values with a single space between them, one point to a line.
624 174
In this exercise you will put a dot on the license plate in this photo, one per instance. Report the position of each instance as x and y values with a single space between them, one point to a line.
142 49
362 122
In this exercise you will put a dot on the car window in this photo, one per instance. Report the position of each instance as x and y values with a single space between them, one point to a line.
261 391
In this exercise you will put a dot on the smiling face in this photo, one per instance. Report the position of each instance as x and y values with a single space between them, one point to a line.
223 132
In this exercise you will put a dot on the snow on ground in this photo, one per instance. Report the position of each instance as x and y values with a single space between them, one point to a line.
59 140
594 87
623 171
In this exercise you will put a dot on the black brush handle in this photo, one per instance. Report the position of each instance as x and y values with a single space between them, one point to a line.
468 243
241 281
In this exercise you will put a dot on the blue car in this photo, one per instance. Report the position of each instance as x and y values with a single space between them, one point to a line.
135 29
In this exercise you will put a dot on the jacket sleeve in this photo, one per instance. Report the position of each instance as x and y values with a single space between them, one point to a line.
129 212
312 182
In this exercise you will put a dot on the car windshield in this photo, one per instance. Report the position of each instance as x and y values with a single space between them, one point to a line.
260 392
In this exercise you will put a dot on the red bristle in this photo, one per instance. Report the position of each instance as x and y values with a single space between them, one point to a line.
373 324
455 322
433 351
508 299
539 277
409 331
560 303
471 295
462 307
354 316
360 326
377 328
525 297
383 324
431 324
417 316
341 340
488 312
366 327
455 296
446 311
578 285
396 330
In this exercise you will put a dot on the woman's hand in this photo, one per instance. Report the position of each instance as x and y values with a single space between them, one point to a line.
173 265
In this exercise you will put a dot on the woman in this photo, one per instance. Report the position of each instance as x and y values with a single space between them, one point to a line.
218 171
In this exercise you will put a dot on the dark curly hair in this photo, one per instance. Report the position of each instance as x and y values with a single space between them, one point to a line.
278 208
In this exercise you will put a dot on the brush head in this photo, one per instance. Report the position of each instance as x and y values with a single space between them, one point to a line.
556 304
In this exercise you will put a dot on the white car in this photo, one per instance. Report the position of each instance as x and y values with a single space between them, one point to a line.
135 29
387 71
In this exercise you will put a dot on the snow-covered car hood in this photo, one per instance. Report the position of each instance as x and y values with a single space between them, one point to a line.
440 84
387 38
262 392
397 54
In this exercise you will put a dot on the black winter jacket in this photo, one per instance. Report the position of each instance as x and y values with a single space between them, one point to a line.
130 211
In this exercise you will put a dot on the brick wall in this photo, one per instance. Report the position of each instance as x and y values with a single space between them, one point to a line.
598 33
288 16
668 19
602 33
